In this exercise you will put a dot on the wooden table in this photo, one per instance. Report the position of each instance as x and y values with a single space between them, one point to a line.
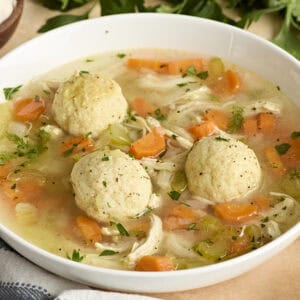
276 279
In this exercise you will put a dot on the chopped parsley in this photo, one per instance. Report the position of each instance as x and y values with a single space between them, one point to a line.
192 226
27 149
159 116
203 75
191 71
237 119
107 252
121 55
83 72
131 116
174 136
145 212
185 83
104 183
295 135
76 256
282 148
174 195
120 228
88 60
105 158
182 84
8 92
220 139
13 187
69 151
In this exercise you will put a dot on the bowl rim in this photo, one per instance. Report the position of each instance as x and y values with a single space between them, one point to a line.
15 15
293 232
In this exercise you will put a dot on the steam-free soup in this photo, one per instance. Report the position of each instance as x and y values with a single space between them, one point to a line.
149 160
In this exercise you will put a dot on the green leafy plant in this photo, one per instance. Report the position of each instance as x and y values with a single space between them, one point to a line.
250 11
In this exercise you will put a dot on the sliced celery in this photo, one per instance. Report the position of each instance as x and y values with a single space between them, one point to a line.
213 249
291 184
216 67
179 181
119 135
209 227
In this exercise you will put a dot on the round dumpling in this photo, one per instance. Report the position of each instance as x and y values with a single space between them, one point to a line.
88 103
111 186
222 169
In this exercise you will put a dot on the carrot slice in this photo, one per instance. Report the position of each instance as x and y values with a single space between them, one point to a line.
250 126
233 82
183 211
292 158
89 229
142 107
274 161
199 131
28 109
76 145
181 66
3 171
228 84
240 245
266 123
263 203
154 263
154 65
218 117
235 212
23 191
150 145
173 223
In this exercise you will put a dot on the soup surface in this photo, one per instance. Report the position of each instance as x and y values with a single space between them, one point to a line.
149 160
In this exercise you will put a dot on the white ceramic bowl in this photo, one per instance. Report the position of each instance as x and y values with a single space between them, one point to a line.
153 31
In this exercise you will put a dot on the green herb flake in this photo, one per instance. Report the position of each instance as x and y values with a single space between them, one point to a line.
237 119
10 91
104 183
122 229
130 115
220 139
174 195
282 148
105 158
192 226
121 55
88 60
174 136
191 71
69 151
295 135
145 212
13 187
108 252
158 115
27 149
182 84
203 75
76 256
83 72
